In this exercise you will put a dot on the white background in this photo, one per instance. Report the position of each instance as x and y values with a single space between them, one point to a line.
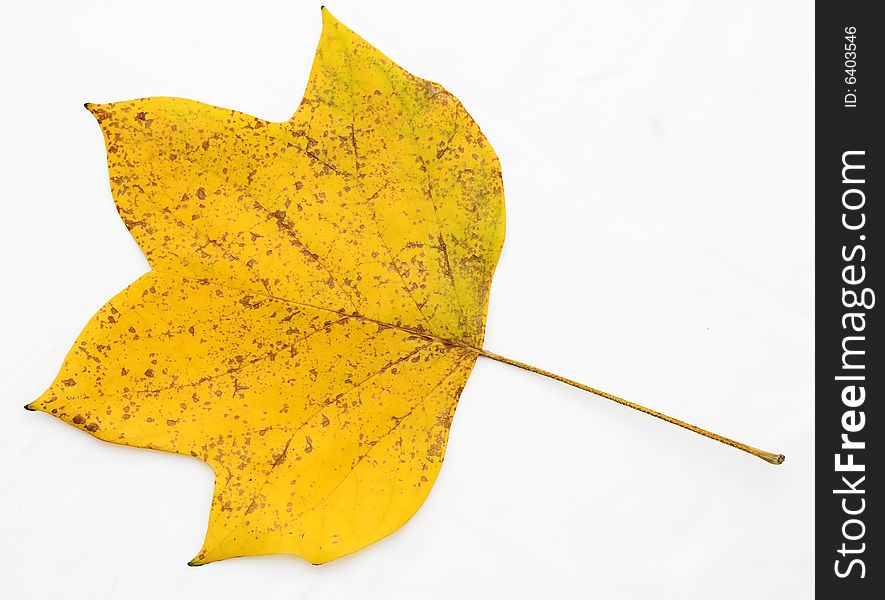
657 165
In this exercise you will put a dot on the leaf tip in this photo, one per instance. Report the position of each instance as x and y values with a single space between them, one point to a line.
200 559
38 405
328 19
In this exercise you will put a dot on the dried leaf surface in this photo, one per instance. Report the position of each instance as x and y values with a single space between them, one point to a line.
317 293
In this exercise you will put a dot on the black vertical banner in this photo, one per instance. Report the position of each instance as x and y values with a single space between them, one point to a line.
850 371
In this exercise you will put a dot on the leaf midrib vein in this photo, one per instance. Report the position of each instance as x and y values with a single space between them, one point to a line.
339 312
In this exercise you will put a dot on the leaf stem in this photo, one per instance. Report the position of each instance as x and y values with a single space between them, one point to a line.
768 457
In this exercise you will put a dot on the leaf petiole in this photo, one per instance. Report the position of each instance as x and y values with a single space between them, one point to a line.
768 457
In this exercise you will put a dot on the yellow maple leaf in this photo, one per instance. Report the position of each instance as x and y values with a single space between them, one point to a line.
316 301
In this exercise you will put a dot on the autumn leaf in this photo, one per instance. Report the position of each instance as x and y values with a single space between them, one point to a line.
316 288
316 301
